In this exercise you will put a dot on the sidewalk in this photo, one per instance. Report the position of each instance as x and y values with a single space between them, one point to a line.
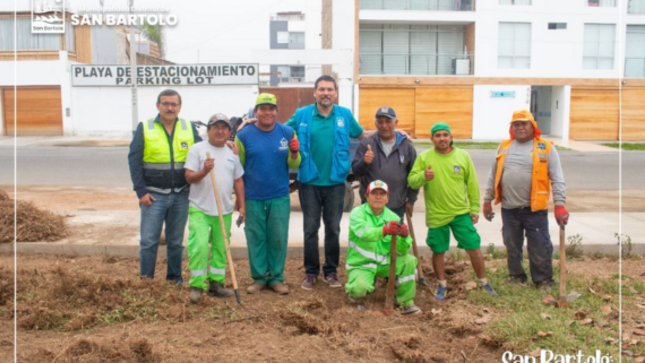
597 231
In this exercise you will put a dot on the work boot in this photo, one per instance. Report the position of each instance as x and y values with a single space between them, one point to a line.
280 288
332 280
545 286
410 309
216 289
517 279
255 288
440 294
354 300
489 289
195 295
309 282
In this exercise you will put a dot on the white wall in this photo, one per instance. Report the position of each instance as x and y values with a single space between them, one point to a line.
492 116
313 23
560 106
106 111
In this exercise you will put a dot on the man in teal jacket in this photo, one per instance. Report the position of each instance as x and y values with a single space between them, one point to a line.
371 226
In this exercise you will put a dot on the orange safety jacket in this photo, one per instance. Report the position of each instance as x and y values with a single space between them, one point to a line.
540 183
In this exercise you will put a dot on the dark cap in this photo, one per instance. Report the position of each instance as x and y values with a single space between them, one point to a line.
218 117
387 112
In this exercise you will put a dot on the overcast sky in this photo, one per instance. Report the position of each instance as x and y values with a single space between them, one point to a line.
216 30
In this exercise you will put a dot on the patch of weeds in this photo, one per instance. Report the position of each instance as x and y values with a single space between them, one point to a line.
573 250
493 253
597 256
522 314
457 255
626 245
626 145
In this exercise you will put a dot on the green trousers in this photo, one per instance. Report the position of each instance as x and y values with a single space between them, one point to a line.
361 279
201 228
267 231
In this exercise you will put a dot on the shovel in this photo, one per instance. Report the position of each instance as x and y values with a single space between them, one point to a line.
422 279
564 298
389 293
229 258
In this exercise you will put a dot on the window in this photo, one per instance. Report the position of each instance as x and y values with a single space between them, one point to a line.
598 50
554 26
602 3
283 37
70 38
410 49
291 74
448 5
514 45
26 40
515 2
636 7
297 37
635 51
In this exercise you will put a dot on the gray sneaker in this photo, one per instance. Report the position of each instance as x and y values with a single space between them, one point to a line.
410 310
216 289
332 280
309 282
545 286
195 295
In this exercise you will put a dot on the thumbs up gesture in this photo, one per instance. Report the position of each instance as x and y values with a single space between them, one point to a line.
294 144
369 155
429 173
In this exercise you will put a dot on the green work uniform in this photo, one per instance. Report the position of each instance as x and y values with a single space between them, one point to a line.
368 255
202 226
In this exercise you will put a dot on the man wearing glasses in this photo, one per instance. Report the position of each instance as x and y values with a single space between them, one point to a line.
523 173
157 154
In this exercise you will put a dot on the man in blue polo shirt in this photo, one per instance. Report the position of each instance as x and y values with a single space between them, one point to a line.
324 130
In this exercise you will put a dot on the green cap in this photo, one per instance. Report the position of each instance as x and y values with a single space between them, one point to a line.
441 126
266 99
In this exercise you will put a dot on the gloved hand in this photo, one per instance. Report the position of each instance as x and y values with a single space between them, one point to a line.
561 215
294 145
391 228
403 231
488 211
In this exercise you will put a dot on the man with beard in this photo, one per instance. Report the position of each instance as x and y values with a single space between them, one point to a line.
451 193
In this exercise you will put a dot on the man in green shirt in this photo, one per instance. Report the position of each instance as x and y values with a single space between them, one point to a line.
451 193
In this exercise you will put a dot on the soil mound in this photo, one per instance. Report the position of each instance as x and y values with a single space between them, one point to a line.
34 224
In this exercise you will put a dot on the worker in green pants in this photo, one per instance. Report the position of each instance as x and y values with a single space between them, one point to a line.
203 212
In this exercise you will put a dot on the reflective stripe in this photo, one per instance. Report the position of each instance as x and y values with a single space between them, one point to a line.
197 272
403 279
183 124
360 233
369 265
151 124
368 254
162 166
159 190
543 155
503 151
216 271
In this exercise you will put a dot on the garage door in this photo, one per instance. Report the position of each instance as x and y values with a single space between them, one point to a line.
39 111
633 114
400 99
594 114
453 106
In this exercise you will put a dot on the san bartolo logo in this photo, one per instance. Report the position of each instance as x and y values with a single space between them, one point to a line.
47 16
284 144
547 356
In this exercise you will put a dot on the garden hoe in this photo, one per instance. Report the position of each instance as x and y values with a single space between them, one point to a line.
564 298
229 258
422 279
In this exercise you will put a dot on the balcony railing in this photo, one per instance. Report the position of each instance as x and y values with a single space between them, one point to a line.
416 64
602 3
440 5
635 67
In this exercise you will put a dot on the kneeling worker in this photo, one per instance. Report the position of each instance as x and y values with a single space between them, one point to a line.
203 212
368 253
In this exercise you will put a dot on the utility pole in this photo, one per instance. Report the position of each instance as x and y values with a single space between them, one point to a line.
133 74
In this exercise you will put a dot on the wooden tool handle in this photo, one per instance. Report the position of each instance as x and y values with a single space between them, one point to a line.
389 295
229 258
563 269
414 245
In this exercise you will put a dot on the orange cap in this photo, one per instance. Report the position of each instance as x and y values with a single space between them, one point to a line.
524 115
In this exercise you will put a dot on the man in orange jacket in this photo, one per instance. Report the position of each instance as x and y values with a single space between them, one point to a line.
523 173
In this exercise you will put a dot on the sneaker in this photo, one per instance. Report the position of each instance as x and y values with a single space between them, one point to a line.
410 309
309 282
255 288
195 295
440 293
490 290
354 299
216 289
280 288
332 280
545 286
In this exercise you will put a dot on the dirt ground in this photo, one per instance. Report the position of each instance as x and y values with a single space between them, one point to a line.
95 309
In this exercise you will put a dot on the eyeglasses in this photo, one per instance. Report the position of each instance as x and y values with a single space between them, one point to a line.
170 104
